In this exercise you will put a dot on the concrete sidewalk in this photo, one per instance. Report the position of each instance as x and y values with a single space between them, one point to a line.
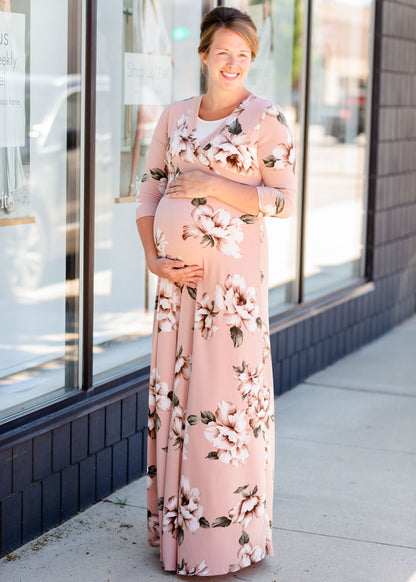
345 490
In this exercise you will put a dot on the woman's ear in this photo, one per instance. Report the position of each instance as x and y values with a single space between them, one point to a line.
203 57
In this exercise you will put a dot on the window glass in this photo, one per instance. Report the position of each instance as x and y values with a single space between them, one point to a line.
337 144
151 60
39 214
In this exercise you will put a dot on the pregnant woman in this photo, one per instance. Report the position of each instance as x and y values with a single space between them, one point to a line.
218 164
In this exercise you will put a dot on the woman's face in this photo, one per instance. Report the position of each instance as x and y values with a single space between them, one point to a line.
228 60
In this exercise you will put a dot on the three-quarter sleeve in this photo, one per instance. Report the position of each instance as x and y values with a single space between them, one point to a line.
154 180
276 157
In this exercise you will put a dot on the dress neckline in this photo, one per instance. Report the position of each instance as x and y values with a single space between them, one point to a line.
193 118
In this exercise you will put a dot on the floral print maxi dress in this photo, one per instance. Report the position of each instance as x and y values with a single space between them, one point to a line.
211 416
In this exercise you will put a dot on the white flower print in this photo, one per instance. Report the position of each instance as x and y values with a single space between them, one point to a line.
267 450
158 393
160 242
259 408
229 434
249 507
153 531
199 570
170 517
273 110
185 442
284 154
168 308
266 343
217 228
182 367
233 151
190 509
238 302
248 554
250 379
177 426
204 316
182 144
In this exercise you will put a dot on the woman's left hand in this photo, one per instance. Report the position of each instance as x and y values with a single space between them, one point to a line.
194 184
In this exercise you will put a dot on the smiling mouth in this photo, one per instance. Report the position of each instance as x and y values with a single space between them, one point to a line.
229 75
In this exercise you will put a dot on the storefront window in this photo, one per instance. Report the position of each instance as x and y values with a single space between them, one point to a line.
40 88
152 60
337 144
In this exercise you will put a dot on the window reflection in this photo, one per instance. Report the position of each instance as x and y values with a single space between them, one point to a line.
40 243
337 144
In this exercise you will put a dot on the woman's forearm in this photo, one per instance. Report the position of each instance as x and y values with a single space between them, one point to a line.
145 228
241 196
198 184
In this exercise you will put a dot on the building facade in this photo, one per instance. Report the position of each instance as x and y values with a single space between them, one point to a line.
82 84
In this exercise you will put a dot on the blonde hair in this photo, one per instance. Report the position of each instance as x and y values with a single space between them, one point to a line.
231 19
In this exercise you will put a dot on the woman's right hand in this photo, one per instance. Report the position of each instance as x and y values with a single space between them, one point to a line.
176 271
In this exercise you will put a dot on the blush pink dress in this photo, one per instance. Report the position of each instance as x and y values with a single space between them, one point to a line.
211 404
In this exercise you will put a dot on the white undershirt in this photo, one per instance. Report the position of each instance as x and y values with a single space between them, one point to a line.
205 128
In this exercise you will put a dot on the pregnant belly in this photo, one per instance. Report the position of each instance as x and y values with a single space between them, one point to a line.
190 230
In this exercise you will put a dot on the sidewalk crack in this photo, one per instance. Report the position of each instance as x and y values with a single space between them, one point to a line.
314 533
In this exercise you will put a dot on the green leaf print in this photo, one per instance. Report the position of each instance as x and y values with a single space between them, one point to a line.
241 489
191 292
152 471
248 218
282 119
212 455
160 503
222 521
145 177
172 396
193 419
158 174
259 322
236 335
198 201
235 127
178 442
204 522
181 566
269 161
244 538
256 431
240 369
207 241
158 422
261 276
280 204
180 535
207 416
207 147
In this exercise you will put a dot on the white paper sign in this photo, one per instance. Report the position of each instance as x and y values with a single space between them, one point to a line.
12 79
147 79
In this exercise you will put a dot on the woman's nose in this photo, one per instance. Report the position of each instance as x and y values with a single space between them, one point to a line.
231 60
